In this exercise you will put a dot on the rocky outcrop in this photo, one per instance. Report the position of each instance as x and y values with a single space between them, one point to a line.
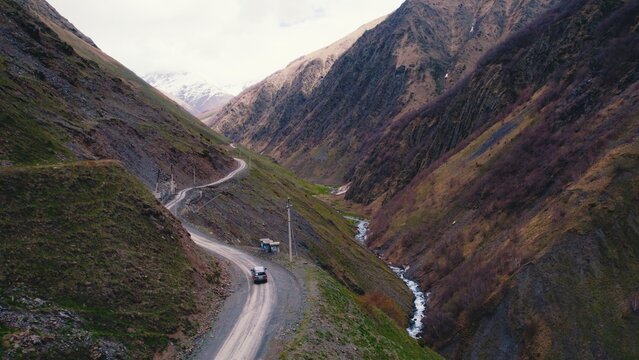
46 12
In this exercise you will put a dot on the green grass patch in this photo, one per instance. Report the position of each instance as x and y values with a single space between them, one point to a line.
336 325
92 239
3 344
323 189
28 142
337 251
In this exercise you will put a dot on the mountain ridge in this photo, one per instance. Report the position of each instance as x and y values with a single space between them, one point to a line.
520 179
413 56
197 96
292 84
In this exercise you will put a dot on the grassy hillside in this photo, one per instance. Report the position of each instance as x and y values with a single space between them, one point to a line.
590 268
63 99
340 325
93 264
254 207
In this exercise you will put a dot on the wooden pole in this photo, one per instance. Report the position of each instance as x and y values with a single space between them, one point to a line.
290 236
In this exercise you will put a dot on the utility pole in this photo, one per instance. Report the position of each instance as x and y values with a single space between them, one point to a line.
172 184
157 182
290 235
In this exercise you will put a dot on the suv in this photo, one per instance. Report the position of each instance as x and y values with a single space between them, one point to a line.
259 274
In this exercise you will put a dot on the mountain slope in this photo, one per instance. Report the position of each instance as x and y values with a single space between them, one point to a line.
255 108
513 197
103 271
415 54
505 78
195 95
62 98
321 233
93 266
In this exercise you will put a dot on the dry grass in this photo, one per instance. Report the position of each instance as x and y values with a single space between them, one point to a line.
380 301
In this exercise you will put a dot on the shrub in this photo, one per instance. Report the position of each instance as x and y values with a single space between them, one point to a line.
378 300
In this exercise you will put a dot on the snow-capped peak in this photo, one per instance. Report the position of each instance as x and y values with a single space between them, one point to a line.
195 93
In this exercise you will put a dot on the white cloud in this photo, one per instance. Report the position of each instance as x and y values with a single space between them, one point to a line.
227 42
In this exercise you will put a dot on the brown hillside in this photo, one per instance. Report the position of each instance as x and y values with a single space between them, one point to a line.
522 218
413 56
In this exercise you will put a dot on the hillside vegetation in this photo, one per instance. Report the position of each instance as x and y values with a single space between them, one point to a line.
93 266
419 51
520 216
245 210
62 99
340 325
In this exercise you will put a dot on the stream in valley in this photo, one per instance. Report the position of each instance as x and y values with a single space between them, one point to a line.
421 298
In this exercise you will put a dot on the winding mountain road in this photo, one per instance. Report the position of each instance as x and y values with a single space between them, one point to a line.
171 205
253 314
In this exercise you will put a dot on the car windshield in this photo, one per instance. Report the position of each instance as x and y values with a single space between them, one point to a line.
261 273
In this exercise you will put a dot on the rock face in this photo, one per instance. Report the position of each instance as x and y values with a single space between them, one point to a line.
514 196
199 97
322 131
62 98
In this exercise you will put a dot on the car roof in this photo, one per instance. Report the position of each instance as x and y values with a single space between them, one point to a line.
259 268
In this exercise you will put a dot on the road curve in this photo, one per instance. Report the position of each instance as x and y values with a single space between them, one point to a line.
246 337
257 311
182 194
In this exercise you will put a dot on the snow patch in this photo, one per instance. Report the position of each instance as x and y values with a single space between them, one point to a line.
197 94
342 190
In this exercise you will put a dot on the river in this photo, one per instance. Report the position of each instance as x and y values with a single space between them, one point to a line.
421 298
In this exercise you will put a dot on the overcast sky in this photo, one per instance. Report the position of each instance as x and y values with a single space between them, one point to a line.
229 43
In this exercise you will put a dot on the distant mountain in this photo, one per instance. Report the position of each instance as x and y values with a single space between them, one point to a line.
192 92
333 114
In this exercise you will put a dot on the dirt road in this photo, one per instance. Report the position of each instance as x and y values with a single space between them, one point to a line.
254 314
